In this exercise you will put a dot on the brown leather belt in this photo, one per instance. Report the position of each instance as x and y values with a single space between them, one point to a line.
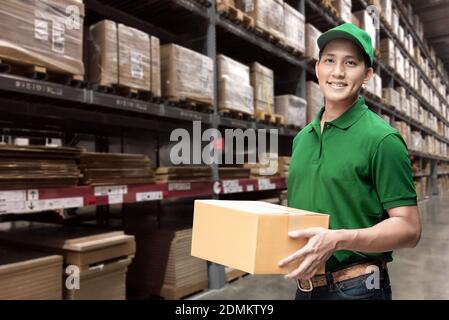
340 275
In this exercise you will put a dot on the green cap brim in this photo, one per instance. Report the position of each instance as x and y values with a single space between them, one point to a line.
330 35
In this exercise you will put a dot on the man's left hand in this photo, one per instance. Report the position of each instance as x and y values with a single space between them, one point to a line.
320 246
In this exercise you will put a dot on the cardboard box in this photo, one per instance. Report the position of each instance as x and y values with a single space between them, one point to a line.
312 35
344 8
267 14
392 96
315 99
293 108
235 96
119 55
251 236
294 28
366 23
262 81
155 66
232 70
387 52
386 10
186 74
35 33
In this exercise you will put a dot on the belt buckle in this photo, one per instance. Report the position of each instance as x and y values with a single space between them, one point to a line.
298 282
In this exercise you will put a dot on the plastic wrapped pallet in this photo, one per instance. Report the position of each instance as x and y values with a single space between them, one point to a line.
386 10
387 52
366 23
119 55
294 28
43 33
236 97
155 66
399 62
231 69
392 96
293 108
344 8
263 85
312 35
267 14
395 21
186 74
315 99
416 141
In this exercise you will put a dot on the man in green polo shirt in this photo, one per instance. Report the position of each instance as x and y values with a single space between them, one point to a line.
349 163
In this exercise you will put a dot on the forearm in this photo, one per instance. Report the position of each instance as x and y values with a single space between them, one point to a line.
390 234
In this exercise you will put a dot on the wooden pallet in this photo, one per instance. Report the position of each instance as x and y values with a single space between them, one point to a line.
232 13
290 49
236 114
271 118
41 73
234 274
191 104
267 35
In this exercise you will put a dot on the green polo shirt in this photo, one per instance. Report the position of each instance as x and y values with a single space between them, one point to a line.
354 171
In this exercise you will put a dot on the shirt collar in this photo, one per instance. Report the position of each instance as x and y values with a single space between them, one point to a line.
347 119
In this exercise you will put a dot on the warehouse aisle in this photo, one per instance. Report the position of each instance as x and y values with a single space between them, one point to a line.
418 273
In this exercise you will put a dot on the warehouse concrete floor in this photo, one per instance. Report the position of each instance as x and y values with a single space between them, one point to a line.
418 273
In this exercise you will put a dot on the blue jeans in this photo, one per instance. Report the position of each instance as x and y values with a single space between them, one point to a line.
352 289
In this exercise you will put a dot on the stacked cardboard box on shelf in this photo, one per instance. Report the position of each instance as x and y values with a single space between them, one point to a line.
386 11
234 90
267 14
312 34
416 141
262 81
294 28
374 85
120 56
29 275
101 257
163 265
293 108
266 167
25 167
186 74
115 168
392 97
387 52
315 99
34 34
344 8
366 23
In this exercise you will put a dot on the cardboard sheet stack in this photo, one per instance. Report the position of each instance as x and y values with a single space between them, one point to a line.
262 81
102 258
234 90
29 275
115 168
315 100
294 28
163 265
293 108
123 56
25 167
183 174
186 74
234 172
34 33
312 34
267 14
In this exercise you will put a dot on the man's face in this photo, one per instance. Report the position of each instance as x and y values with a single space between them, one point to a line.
341 71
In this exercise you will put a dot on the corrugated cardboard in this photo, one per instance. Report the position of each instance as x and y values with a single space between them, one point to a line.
294 28
235 96
268 14
43 33
155 66
186 74
293 108
263 84
251 236
312 35
315 99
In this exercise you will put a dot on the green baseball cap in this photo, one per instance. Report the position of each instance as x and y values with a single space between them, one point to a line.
351 32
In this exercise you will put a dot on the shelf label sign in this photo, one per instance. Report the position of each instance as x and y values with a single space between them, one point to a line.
115 198
265 184
149 196
8 196
110 190
179 186
231 186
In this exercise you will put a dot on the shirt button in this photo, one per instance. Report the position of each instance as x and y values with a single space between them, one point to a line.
328 126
